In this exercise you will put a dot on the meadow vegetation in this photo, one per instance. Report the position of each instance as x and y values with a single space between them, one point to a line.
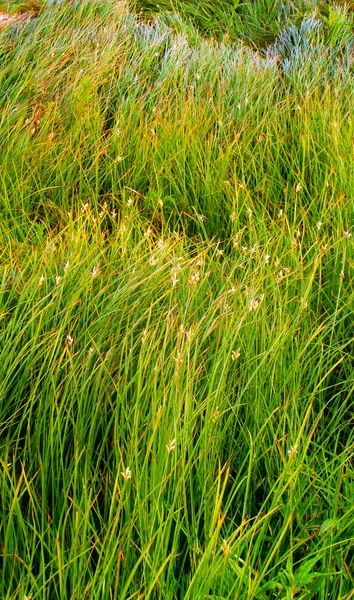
176 306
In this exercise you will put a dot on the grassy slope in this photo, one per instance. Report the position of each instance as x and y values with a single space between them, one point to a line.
176 299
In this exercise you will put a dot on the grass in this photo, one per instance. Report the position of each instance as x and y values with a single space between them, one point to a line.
176 303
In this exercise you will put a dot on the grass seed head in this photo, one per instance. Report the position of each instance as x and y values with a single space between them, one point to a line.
215 415
126 474
235 354
171 445
225 548
292 451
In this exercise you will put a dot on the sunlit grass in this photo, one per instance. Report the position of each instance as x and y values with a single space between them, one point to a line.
176 308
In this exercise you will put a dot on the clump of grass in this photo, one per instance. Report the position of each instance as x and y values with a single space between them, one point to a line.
176 310
22 6
256 23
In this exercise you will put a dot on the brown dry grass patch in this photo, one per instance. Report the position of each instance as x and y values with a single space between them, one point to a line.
6 19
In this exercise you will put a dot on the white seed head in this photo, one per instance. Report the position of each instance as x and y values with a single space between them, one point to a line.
199 262
171 445
235 354
304 303
201 218
215 415
126 474
194 278
293 450
189 334
225 548
253 304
